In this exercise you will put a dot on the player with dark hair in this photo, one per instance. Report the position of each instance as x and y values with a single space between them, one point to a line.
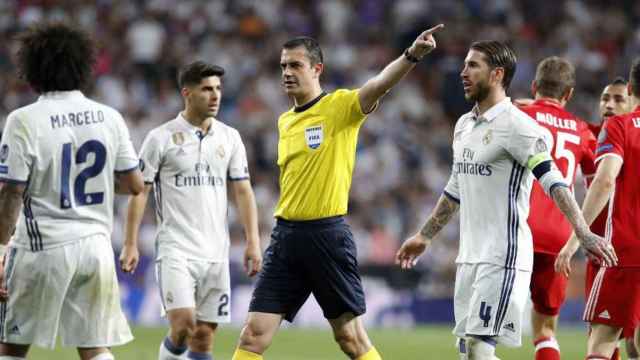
615 183
312 249
190 161
497 151
61 160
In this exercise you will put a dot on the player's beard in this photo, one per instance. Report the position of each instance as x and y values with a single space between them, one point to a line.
481 92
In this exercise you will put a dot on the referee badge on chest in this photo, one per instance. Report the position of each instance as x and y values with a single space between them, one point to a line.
314 136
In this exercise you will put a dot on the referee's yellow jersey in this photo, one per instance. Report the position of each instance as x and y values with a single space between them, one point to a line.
316 155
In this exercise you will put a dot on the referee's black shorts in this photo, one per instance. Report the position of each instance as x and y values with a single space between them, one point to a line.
310 257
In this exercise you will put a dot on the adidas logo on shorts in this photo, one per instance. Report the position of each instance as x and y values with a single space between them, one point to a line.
15 330
510 326
604 315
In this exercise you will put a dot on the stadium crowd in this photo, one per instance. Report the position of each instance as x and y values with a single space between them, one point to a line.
404 151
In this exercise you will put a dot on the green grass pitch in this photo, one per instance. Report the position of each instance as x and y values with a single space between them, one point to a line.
435 342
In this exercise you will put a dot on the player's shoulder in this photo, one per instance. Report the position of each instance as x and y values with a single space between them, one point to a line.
224 129
514 117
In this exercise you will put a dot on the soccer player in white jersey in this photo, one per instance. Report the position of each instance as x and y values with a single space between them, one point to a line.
497 149
61 158
190 160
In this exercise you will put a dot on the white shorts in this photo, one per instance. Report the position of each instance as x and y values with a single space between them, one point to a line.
490 300
200 285
72 289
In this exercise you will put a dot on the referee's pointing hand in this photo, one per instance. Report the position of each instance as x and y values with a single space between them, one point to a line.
425 43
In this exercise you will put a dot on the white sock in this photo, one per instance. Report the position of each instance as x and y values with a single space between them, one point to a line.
103 356
7 357
480 350
165 354
549 343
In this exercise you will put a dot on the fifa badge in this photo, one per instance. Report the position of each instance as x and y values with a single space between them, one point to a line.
314 136
488 136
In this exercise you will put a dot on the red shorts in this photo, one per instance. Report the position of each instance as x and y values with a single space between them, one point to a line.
614 299
548 288
589 274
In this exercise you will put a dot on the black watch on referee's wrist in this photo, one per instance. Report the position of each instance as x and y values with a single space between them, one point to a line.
411 58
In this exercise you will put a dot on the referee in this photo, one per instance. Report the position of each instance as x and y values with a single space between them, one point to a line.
312 249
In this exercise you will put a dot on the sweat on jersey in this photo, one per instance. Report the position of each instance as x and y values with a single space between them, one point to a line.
572 145
620 137
491 179
190 169
65 148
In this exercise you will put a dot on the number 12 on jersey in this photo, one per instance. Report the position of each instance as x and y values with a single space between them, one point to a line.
82 198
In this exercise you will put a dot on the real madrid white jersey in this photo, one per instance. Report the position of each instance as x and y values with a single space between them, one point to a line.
65 148
492 183
190 170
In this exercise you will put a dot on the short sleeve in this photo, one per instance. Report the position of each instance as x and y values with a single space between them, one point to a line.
150 157
238 166
16 151
611 139
126 158
451 190
588 145
349 103
528 143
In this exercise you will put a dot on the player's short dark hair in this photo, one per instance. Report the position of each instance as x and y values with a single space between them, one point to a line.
634 77
554 77
619 81
55 57
314 52
192 74
497 55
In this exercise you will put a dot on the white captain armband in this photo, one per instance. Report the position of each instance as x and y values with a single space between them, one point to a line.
546 172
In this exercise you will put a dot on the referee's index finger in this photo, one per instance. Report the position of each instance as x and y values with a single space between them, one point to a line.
433 29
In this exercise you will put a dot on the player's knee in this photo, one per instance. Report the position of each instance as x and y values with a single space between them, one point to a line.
202 337
183 328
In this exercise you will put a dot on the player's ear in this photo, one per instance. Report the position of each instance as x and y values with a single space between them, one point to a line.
534 88
498 74
318 69
568 94
185 92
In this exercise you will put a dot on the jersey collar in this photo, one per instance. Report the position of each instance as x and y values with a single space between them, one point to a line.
61 95
194 129
547 102
493 111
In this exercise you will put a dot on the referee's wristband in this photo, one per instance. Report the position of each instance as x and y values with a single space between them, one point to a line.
411 58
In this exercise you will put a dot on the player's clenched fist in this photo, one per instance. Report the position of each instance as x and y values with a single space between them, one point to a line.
425 43
410 251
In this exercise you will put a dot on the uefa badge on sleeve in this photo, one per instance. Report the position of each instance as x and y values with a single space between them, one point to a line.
314 136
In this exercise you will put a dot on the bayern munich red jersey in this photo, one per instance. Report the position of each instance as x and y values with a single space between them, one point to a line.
598 225
621 137
573 145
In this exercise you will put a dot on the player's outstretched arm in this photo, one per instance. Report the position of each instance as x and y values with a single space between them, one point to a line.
412 248
10 204
592 243
380 84
246 203
130 256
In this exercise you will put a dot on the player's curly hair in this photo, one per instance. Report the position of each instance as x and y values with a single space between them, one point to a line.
55 57
498 54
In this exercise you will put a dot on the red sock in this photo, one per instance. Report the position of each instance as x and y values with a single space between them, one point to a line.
616 354
547 349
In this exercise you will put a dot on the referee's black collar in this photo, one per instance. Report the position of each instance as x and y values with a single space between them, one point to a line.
309 104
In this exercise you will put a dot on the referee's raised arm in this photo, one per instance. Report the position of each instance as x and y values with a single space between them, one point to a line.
380 84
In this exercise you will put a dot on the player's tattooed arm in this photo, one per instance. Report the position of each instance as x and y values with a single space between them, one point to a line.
592 243
440 216
10 203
